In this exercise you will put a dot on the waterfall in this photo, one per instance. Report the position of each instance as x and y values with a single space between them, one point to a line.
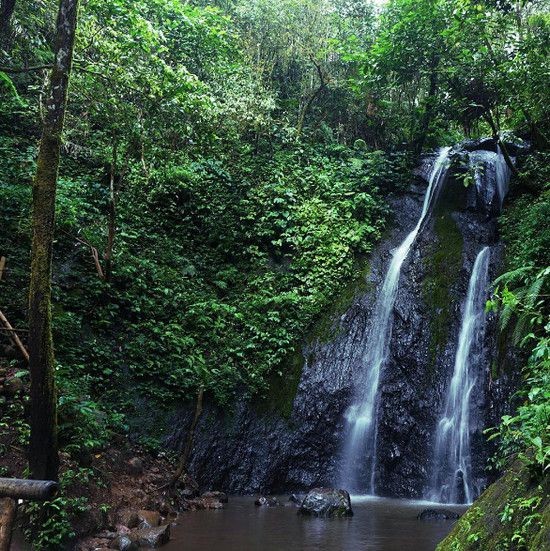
452 480
503 174
491 175
359 458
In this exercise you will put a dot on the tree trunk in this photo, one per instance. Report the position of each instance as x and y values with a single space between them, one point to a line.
537 136
305 109
8 509
428 113
112 217
311 99
7 8
496 137
43 451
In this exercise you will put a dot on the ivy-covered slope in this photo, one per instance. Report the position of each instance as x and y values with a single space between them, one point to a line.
512 514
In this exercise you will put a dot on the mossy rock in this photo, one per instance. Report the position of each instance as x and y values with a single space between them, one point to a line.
443 264
283 386
513 514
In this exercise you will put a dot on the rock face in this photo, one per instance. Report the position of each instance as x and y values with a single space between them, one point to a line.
326 502
262 447
437 514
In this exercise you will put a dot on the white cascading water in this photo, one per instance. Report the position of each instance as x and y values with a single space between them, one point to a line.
503 174
491 166
358 474
452 480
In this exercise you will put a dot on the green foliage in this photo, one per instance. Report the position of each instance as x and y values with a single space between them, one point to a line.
51 522
233 153
520 297
526 433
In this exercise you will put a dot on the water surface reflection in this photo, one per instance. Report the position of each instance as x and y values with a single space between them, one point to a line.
379 524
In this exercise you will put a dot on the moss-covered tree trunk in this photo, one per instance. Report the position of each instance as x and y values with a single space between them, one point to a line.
43 453
7 7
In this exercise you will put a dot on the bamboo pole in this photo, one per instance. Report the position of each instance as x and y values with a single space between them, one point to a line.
14 337
35 490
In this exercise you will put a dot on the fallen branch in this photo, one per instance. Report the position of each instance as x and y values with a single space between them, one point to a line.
2 266
14 337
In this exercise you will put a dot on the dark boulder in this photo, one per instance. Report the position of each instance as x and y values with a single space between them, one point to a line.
437 514
128 518
267 501
151 537
148 519
326 502
124 543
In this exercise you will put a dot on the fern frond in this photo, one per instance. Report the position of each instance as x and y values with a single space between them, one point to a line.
505 317
533 291
513 275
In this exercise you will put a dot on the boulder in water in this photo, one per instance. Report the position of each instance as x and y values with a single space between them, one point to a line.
326 502
437 514
267 501
153 537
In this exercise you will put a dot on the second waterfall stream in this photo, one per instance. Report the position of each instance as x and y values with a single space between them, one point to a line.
452 480
359 471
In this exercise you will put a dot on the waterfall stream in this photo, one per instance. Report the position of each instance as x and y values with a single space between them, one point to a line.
359 469
452 480
489 166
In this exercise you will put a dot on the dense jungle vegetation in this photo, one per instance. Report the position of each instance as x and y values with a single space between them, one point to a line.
225 168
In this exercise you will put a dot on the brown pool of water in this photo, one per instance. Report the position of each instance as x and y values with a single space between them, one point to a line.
378 524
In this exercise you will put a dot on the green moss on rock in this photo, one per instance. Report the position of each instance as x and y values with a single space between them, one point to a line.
513 514
283 387
443 264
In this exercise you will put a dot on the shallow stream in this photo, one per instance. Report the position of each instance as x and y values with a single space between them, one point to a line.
378 524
